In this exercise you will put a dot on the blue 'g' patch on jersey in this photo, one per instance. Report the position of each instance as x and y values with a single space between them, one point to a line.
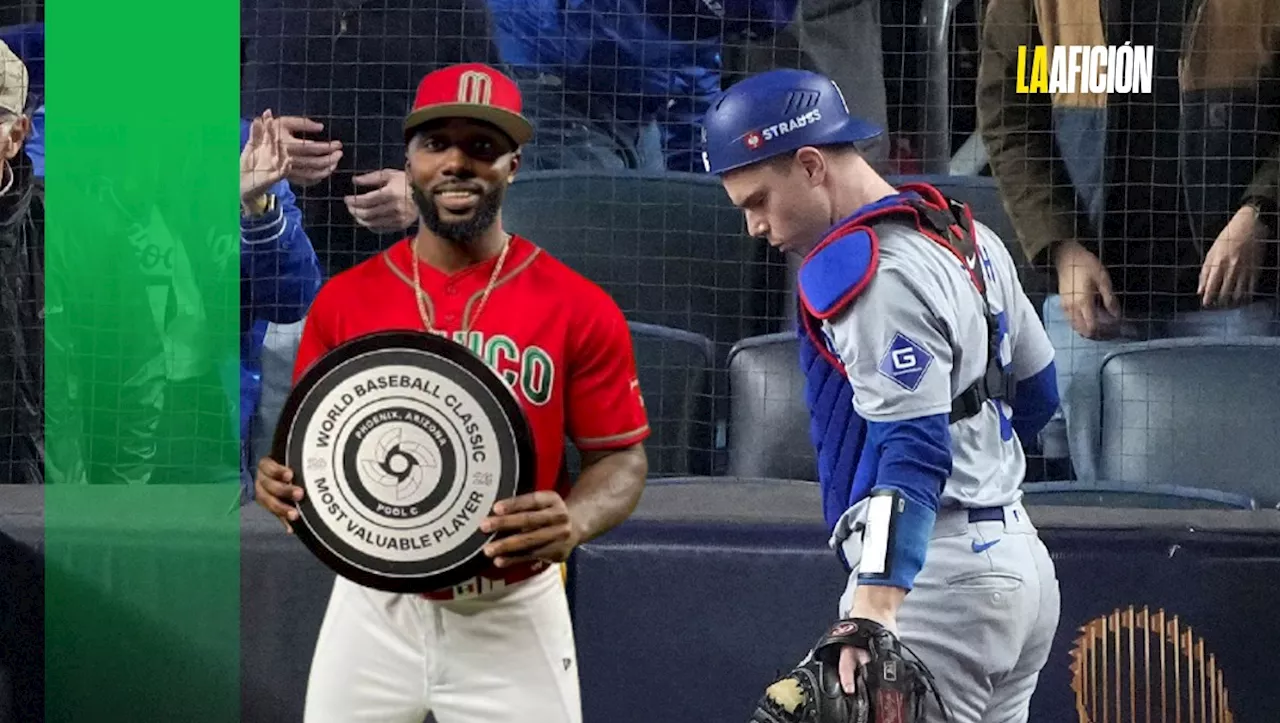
905 362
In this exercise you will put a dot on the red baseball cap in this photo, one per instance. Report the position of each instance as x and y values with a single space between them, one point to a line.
471 90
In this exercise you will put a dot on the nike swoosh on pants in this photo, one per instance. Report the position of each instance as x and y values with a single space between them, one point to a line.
983 546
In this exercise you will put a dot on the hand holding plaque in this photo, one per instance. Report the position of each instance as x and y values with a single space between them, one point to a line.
537 526
274 490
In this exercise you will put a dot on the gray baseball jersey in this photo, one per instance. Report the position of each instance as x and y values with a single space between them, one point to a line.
983 610
916 338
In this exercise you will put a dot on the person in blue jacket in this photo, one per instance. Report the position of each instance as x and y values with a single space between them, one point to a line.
613 84
279 276
279 271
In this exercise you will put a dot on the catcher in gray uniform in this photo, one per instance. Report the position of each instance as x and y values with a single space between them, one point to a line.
925 365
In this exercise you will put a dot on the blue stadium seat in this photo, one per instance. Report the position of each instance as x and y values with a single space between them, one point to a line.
669 247
1195 412
768 433
1131 495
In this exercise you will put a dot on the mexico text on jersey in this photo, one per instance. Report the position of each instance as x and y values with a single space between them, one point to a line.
558 341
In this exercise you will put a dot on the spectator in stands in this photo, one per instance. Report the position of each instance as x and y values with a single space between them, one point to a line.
35 141
840 39
279 271
1152 208
344 77
165 392
598 74
27 41
61 425
21 287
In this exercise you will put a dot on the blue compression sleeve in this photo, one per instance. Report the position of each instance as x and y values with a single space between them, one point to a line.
1035 402
915 461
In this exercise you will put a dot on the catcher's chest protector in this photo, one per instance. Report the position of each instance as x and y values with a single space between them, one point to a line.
843 264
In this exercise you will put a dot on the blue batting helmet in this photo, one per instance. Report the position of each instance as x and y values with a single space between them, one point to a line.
777 112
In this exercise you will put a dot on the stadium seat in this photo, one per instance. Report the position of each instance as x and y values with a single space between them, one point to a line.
1194 412
1131 496
768 434
669 247
675 369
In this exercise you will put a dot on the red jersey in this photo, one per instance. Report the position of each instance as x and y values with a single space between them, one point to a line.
558 340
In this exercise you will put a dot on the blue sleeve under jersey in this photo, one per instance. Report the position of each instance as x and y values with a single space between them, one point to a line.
1035 401
913 457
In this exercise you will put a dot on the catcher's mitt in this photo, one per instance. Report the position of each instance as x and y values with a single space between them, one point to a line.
890 688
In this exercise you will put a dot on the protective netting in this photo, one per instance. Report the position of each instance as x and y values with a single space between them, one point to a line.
1154 207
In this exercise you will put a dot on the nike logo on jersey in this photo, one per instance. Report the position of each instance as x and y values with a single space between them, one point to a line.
975 259
984 546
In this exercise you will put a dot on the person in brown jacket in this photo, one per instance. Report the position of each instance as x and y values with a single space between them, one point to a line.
1153 208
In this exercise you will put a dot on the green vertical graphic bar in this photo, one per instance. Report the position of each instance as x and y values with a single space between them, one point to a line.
142 564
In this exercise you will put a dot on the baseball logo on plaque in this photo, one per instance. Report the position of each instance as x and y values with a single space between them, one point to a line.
402 442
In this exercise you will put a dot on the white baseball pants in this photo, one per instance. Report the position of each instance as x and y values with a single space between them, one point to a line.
506 656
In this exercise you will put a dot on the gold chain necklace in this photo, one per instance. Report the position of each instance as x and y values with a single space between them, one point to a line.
421 295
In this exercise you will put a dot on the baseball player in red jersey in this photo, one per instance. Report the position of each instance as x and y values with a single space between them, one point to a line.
499 649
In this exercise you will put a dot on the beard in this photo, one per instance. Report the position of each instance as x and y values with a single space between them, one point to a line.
466 230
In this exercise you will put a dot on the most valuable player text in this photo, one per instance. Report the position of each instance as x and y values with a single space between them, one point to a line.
468 513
